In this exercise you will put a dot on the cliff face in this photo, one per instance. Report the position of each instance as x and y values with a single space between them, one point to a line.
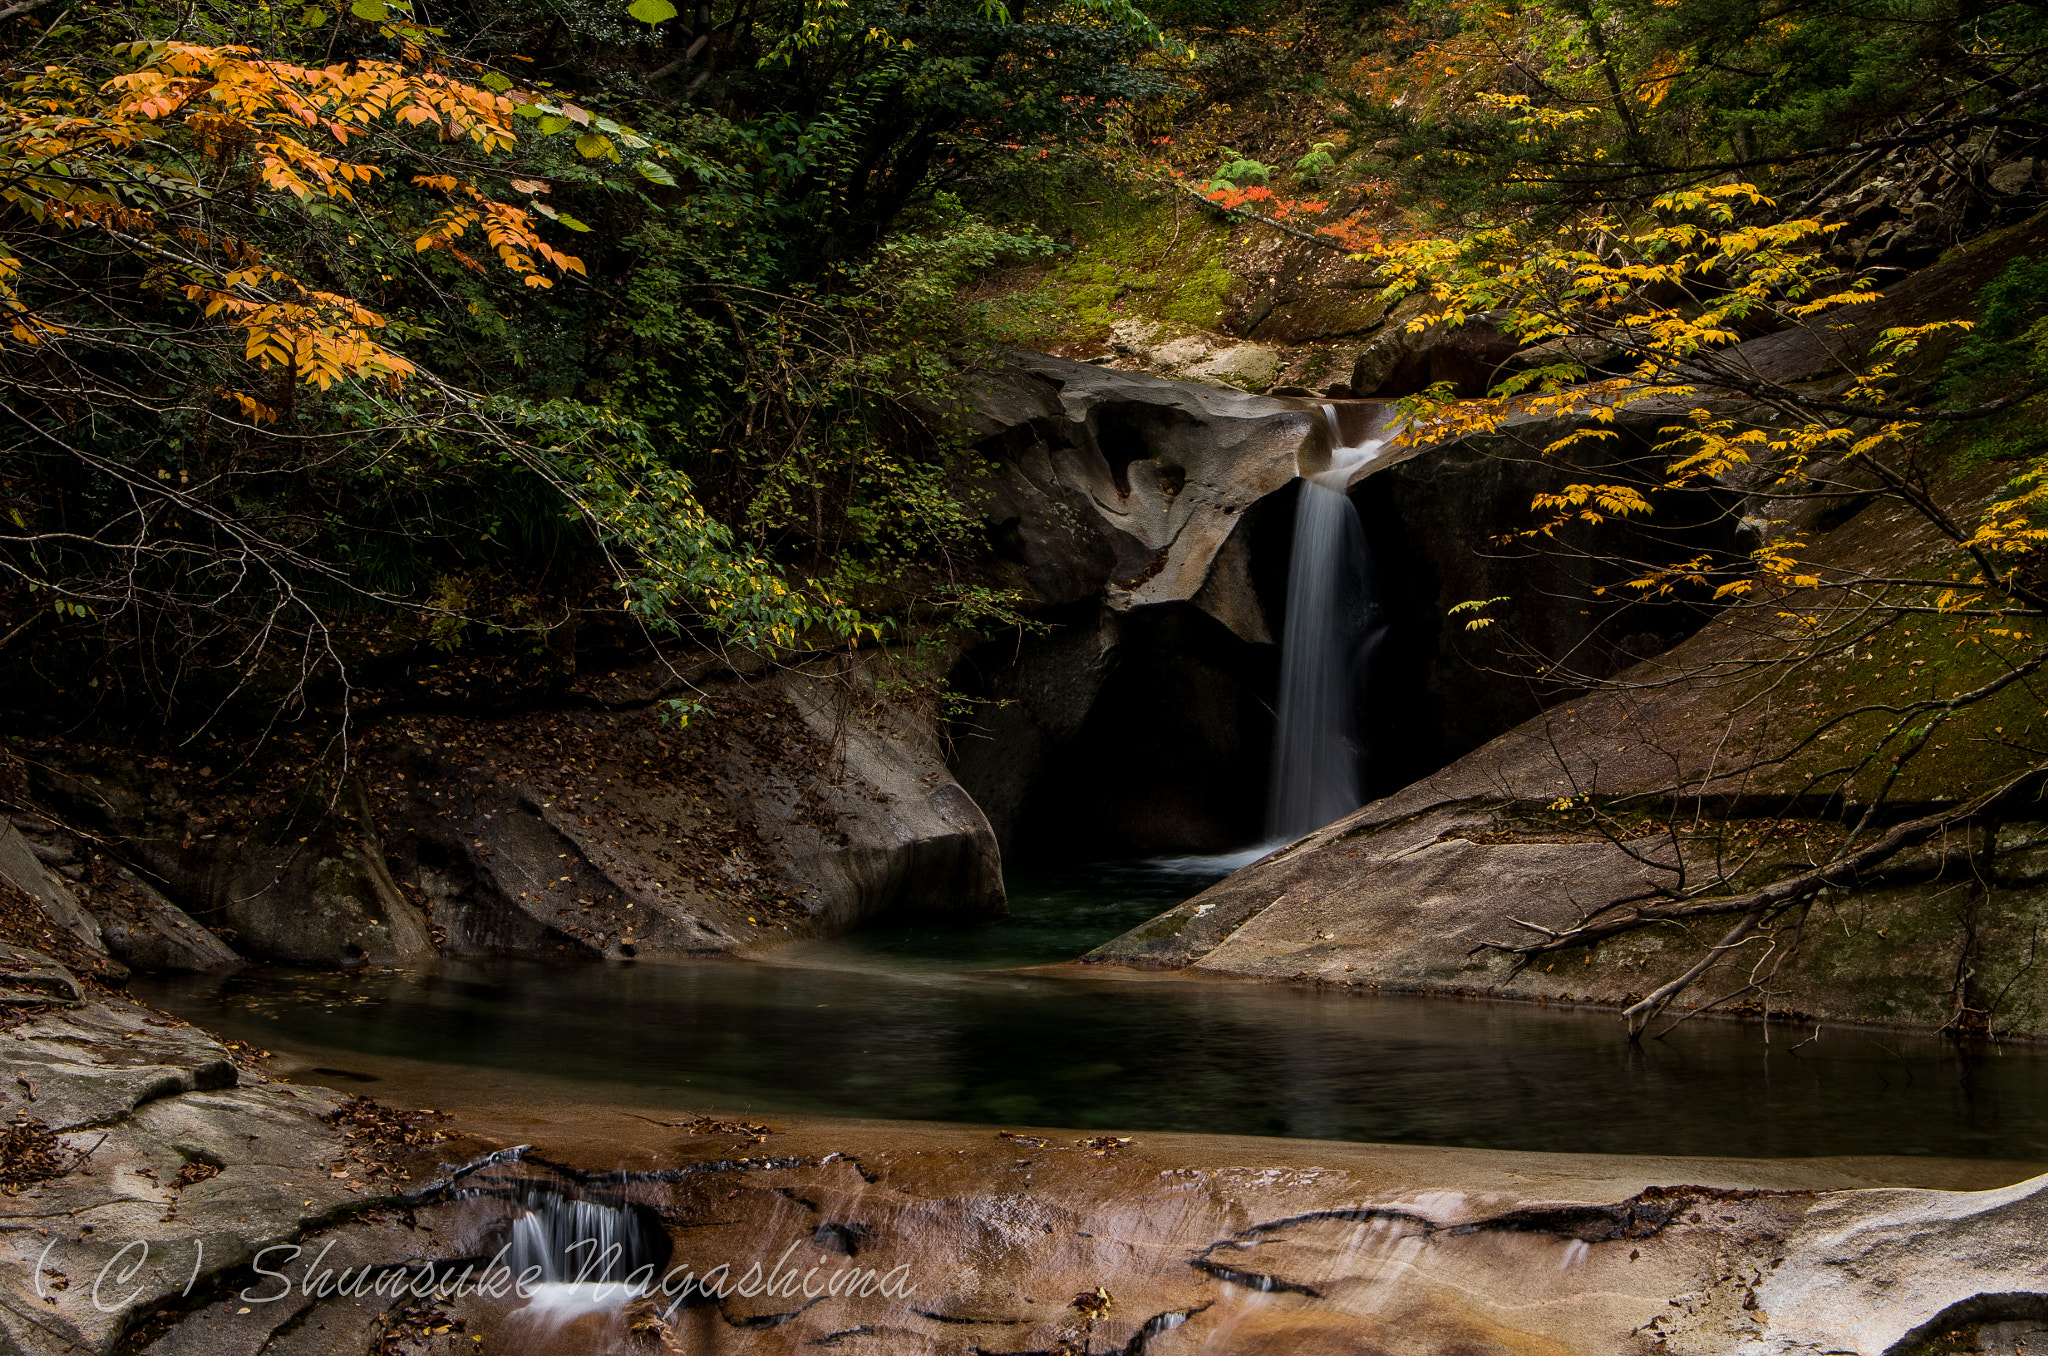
1141 516
806 800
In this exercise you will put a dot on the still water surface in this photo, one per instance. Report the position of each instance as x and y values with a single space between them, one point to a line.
923 1023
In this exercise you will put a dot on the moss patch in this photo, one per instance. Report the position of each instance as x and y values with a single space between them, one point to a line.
1131 256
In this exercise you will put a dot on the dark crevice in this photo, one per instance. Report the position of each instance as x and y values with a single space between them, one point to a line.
1141 1340
760 1321
1254 1280
971 1322
1977 1310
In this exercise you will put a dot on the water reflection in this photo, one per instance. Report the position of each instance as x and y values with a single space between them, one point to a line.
994 1047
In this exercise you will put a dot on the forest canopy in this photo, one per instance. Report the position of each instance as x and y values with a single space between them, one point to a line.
338 338
337 333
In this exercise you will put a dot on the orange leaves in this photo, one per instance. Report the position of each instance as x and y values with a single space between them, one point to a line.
1262 199
253 410
322 339
508 230
74 152
282 161
255 95
1655 85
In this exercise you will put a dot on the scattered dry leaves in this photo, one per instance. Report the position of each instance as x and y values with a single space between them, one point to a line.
29 1153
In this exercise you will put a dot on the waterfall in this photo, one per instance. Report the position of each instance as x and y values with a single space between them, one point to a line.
1332 624
577 1263
568 1241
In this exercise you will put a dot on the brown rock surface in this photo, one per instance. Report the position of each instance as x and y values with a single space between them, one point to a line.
1043 1240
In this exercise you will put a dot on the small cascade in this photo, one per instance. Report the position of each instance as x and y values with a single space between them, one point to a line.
587 1260
1330 628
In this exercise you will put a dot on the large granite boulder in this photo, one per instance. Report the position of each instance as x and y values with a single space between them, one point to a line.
800 804
296 882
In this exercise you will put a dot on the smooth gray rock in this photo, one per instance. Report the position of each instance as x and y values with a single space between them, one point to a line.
149 933
22 867
135 1099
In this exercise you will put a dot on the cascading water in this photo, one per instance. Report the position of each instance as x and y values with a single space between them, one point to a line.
578 1263
1332 625
568 1241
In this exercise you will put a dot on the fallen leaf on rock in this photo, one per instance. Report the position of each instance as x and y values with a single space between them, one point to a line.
191 1173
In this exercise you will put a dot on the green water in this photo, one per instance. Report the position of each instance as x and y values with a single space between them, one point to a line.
923 1023
1056 914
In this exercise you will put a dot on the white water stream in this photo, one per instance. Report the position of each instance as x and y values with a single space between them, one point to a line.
1330 630
1316 755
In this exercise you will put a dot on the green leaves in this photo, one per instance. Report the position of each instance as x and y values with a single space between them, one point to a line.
651 12
370 11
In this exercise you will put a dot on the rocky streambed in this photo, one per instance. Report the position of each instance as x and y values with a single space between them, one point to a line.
149 1166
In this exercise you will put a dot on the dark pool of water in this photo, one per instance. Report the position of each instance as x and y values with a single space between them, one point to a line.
1056 914
898 1024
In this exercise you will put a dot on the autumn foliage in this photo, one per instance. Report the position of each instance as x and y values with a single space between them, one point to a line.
121 159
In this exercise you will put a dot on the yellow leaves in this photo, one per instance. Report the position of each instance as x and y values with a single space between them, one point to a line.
253 410
23 324
29 329
322 339
1660 582
1477 605
1619 500
1903 340
1854 295
1713 200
